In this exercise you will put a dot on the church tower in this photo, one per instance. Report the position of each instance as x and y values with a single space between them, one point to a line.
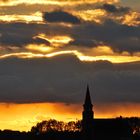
88 115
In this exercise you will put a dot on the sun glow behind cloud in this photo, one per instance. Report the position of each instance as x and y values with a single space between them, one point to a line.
96 54
39 48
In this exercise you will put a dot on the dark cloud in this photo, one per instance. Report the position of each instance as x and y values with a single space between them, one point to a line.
119 37
40 41
115 9
19 41
83 43
61 16
20 34
64 79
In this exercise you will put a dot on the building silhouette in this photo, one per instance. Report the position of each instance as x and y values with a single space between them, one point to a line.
92 128
87 117
102 128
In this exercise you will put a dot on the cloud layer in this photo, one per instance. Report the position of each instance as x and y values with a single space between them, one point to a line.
64 79
40 31
99 23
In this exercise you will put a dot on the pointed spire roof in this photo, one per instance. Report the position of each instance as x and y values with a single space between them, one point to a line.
88 98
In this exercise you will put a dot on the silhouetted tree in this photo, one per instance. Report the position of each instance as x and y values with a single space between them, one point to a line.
54 125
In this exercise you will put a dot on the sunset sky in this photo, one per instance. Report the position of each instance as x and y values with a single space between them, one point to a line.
51 49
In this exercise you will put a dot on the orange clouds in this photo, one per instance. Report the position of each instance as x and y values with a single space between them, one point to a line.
91 55
39 48
94 15
36 17
55 2
131 19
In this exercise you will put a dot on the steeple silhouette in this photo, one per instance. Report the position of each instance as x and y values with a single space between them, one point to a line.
88 98
87 121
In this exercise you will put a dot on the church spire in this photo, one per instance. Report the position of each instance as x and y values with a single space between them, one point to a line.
87 119
88 98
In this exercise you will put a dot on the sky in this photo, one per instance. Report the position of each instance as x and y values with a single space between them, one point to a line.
51 49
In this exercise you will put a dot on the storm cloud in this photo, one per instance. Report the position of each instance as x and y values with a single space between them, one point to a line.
64 79
61 16
114 9
119 37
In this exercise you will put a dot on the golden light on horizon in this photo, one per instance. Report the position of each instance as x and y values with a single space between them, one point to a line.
22 120
14 116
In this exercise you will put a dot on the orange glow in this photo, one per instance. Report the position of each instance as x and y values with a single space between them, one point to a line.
62 52
23 116
21 55
112 110
56 2
99 53
131 19
39 48
56 41
91 15
18 117
36 17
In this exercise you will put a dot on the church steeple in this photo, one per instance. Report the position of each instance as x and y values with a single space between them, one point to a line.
88 98
88 115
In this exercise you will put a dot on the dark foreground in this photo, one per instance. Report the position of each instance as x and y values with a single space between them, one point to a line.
10 135
104 129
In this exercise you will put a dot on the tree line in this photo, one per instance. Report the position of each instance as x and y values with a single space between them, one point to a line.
54 125
76 126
